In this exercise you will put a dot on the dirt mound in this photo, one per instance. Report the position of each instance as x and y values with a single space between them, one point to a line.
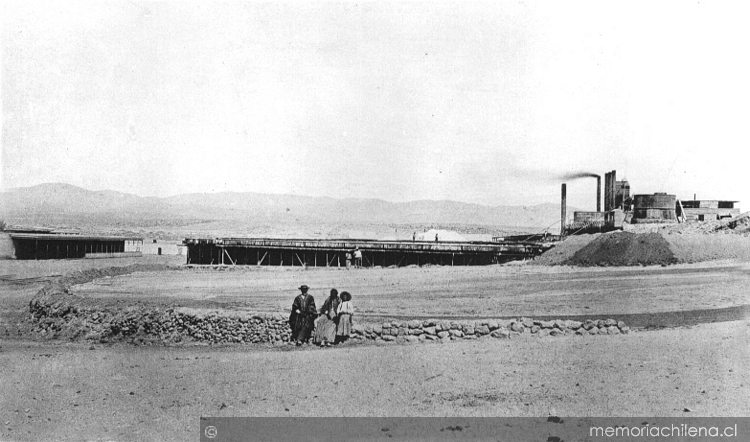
564 250
624 249
696 247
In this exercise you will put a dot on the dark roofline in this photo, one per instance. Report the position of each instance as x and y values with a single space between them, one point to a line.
61 237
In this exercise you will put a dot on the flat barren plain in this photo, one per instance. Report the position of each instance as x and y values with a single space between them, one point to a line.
686 357
446 292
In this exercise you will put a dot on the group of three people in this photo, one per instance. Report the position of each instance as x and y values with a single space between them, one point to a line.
332 325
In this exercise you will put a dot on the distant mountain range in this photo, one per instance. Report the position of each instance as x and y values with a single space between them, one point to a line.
57 203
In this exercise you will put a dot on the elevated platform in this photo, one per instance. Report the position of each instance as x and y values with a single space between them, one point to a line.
337 252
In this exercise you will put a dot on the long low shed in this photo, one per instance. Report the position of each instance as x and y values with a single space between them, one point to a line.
333 252
58 246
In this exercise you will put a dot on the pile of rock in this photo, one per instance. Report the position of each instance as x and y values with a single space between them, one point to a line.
62 316
434 330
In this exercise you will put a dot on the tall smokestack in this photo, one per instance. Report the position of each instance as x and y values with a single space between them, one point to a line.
613 191
606 192
563 206
598 194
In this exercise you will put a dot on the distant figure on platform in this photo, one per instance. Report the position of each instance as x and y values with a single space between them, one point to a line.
436 237
345 312
348 260
302 318
414 237
357 258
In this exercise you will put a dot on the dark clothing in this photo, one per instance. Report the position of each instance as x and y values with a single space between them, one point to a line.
302 323
325 327
330 307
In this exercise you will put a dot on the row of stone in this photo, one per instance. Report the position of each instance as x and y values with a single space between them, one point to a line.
432 330
58 316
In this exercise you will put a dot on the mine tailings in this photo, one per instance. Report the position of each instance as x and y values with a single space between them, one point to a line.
619 249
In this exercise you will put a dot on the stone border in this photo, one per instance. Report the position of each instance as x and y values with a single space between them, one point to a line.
434 330
56 313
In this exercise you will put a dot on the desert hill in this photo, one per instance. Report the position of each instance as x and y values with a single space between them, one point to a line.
56 204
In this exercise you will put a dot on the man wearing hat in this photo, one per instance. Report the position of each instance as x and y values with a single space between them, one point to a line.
302 319
357 258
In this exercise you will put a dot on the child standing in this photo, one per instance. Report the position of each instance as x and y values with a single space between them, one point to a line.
345 312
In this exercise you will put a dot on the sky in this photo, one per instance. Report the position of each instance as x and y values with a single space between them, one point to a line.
488 103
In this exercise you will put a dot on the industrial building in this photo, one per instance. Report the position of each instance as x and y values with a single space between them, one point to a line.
707 210
153 246
656 208
336 252
620 206
19 245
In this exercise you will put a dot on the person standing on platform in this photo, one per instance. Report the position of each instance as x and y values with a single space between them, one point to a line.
302 318
357 258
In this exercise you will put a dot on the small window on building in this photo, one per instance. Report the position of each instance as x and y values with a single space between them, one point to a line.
154 241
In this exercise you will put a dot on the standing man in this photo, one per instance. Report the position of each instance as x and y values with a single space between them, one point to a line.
357 257
302 318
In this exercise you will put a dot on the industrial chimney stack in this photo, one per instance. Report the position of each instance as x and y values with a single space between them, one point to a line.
598 193
562 211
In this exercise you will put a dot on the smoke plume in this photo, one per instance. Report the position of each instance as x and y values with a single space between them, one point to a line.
577 175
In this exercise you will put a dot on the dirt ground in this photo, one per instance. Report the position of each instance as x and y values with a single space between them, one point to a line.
697 247
75 391
29 269
80 392
487 291
21 280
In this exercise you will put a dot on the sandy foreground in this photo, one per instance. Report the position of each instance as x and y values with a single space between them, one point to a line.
84 392
80 391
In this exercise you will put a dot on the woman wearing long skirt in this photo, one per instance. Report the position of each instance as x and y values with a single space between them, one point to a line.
325 325
345 312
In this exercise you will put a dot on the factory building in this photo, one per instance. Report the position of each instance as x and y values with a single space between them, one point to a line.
616 198
582 217
623 200
707 210
656 208
620 206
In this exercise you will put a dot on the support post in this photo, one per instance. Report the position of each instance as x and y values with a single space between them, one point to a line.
228 256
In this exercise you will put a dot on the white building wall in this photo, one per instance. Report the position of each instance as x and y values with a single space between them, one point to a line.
152 246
